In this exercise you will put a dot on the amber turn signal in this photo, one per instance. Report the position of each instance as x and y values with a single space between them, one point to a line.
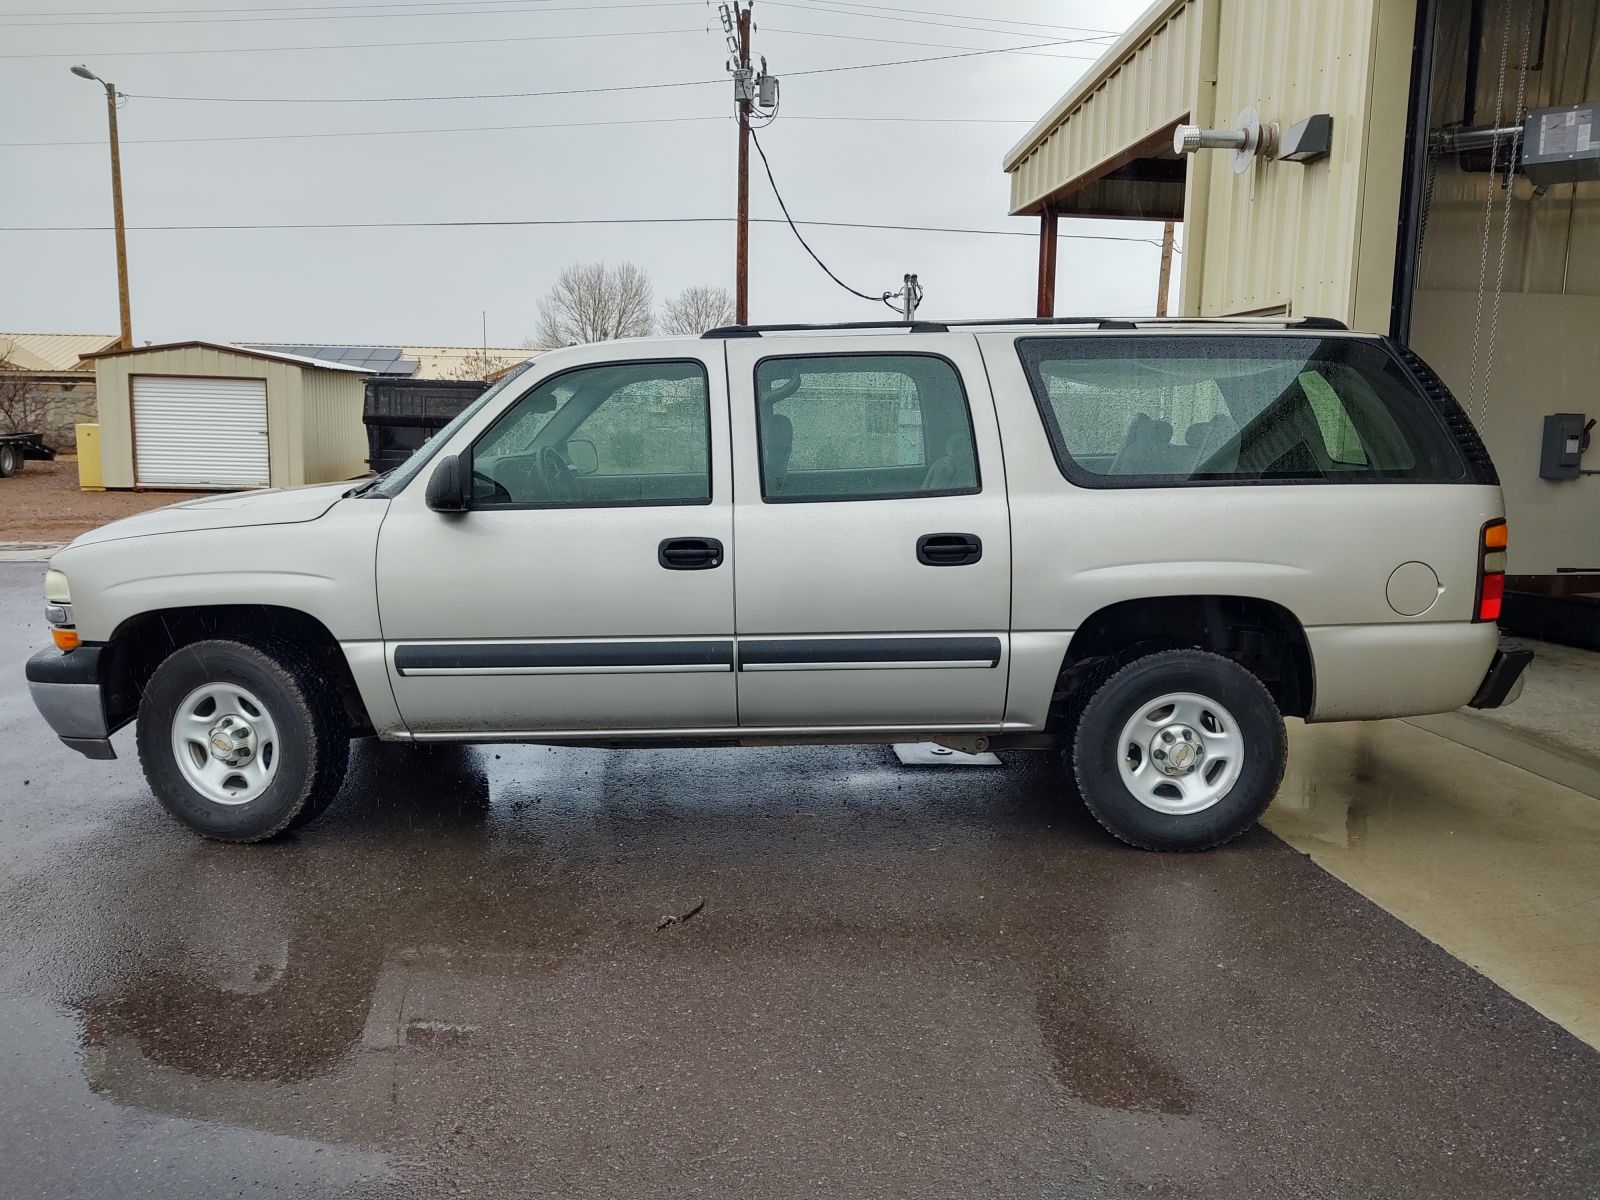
1494 535
65 639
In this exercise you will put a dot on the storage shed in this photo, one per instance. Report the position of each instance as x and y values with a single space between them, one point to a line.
207 416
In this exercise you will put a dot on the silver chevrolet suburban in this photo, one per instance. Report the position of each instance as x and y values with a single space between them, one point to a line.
1138 544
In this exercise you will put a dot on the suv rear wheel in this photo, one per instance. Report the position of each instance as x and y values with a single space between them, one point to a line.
241 740
1180 750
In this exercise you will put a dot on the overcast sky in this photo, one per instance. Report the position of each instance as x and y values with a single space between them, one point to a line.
428 285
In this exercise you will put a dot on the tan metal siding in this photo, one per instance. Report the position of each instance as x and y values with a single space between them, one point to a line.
334 438
1309 240
1144 87
1294 238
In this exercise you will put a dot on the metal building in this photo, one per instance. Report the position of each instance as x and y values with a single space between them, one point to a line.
1426 168
206 416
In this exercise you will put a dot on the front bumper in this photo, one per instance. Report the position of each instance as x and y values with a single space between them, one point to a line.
66 691
1503 682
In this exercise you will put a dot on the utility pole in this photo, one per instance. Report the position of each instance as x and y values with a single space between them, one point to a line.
744 88
910 297
126 340
1166 270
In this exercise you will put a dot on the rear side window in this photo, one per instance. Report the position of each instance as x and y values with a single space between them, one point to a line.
1165 411
863 427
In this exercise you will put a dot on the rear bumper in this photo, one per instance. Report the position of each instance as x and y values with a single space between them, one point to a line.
66 691
1502 684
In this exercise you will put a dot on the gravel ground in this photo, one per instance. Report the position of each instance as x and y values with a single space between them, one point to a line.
43 503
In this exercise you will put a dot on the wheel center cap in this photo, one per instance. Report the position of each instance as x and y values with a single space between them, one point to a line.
1177 750
233 741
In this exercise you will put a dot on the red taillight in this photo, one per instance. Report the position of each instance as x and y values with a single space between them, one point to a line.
1490 594
1491 571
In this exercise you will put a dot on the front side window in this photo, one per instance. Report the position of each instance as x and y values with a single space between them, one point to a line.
863 427
1154 411
617 434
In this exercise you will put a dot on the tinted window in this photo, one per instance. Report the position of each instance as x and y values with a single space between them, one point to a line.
864 427
625 433
1154 411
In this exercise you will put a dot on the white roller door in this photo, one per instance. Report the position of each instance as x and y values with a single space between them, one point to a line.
207 433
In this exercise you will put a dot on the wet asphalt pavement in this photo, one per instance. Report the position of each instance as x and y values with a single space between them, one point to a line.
920 983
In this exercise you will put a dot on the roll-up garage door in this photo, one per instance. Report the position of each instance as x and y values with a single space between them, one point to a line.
206 433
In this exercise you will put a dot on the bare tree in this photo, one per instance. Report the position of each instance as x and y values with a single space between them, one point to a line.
24 405
480 364
595 302
697 309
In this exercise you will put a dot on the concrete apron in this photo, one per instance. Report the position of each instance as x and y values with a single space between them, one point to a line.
1492 862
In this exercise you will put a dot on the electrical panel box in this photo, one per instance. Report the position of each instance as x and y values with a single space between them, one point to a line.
1561 145
1561 451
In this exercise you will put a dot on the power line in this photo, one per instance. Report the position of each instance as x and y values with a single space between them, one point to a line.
553 37
882 298
327 16
860 37
158 12
843 8
637 87
230 50
589 91
374 133
1081 237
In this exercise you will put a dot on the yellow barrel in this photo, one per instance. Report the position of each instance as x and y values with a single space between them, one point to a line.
89 458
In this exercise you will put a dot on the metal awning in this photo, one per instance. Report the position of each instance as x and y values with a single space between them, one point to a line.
1105 148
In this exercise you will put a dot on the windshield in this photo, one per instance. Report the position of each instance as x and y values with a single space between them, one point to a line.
394 482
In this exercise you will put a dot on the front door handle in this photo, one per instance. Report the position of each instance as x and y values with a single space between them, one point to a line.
949 549
689 554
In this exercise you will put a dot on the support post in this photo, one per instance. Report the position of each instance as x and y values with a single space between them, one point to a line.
1047 262
741 252
1165 285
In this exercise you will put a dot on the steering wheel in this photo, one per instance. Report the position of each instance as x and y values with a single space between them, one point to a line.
556 475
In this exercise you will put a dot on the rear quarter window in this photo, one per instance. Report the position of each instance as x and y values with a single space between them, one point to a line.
1196 410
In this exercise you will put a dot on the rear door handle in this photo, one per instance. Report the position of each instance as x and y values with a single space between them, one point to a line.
949 549
689 554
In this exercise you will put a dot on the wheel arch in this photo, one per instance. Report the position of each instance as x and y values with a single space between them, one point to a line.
142 641
1261 635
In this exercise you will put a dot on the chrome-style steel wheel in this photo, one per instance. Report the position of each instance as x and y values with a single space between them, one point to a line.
226 743
1181 753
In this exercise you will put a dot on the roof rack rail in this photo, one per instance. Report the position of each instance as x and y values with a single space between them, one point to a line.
745 331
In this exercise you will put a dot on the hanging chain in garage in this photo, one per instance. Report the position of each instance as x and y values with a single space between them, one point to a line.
1482 381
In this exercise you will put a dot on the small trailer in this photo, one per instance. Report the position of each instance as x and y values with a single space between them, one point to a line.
17 448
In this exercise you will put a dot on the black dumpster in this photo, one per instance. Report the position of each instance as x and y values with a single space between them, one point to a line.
402 414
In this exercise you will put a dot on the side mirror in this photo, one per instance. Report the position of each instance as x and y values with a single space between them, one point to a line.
447 486
582 457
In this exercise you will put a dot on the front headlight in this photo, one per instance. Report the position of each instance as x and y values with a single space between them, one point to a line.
55 588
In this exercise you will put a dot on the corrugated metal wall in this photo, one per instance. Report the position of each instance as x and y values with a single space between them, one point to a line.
1149 87
1317 239
1310 240
334 438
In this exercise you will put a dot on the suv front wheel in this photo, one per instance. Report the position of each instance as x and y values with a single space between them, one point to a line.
1179 750
241 740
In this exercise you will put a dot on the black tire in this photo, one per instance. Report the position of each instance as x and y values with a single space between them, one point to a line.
10 461
1097 754
313 746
